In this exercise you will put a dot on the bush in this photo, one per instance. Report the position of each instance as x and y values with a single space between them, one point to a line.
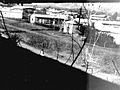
104 38
50 43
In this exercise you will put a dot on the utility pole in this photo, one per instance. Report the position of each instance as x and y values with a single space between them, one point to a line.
80 13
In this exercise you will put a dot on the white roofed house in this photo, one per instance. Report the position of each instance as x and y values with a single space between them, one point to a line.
97 17
15 11
54 20
12 12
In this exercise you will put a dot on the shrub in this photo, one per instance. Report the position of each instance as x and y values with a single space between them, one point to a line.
93 33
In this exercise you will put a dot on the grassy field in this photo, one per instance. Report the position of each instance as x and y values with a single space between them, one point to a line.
56 43
103 57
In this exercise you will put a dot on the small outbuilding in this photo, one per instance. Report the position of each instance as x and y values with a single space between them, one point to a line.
71 26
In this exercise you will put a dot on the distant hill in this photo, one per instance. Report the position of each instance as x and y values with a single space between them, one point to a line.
59 5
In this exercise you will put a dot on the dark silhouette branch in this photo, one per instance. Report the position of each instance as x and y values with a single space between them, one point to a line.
115 67
72 47
85 40
79 52
57 50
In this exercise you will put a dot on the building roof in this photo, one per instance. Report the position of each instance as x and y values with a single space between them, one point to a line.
51 16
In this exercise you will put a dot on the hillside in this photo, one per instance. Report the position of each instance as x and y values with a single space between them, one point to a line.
58 45
19 65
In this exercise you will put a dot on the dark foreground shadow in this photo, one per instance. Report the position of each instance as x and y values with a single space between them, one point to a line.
24 70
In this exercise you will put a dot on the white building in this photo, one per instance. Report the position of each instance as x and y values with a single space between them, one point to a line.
95 18
11 12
